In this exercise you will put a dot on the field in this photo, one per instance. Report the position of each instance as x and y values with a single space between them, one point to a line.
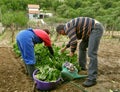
14 79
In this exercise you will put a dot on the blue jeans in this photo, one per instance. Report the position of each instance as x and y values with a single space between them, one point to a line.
93 45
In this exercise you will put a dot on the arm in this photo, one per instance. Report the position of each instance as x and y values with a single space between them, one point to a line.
71 32
73 39
51 50
72 44
64 48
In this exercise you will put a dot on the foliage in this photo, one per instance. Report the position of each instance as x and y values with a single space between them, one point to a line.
18 18
49 66
8 19
43 55
73 3
55 4
56 19
69 9
16 49
48 74
62 9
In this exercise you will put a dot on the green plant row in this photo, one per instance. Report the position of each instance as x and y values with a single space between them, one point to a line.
50 66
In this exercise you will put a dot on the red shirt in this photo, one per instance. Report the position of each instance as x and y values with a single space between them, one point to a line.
44 36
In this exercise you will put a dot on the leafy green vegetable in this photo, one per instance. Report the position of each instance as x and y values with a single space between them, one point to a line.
16 49
49 67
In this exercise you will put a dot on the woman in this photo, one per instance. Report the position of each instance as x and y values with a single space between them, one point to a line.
26 39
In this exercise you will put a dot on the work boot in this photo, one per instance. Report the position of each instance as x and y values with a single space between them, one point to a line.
89 83
30 70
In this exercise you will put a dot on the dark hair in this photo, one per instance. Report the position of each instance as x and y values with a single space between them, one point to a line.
60 27
47 31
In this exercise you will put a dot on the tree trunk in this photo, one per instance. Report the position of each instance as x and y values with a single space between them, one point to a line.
13 31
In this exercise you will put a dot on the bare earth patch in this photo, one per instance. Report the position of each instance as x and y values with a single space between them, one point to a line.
14 79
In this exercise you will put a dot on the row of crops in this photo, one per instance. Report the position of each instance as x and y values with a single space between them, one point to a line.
49 66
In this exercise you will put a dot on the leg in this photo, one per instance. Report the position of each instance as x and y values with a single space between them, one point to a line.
93 45
30 69
82 54
29 59
26 48
21 50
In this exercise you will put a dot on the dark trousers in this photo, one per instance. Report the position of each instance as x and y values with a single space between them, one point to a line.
92 44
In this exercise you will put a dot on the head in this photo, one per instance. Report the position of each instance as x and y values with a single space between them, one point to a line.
60 29
47 31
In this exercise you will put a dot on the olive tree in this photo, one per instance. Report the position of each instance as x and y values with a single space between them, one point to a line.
14 20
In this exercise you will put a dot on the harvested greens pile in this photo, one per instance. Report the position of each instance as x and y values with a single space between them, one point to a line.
50 66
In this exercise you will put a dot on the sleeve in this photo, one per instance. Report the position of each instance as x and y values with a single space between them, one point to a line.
68 45
71 32
73 39
51 50
47 41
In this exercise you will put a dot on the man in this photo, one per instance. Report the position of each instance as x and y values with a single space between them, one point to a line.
90 31
26 39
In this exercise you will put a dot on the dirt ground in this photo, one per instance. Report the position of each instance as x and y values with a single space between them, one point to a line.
14 79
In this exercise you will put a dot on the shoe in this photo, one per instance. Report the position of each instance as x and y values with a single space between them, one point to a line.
89 83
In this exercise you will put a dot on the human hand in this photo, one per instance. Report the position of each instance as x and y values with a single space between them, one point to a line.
63 49
70 54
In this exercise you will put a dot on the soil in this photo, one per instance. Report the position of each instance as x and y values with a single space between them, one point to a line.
14 79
